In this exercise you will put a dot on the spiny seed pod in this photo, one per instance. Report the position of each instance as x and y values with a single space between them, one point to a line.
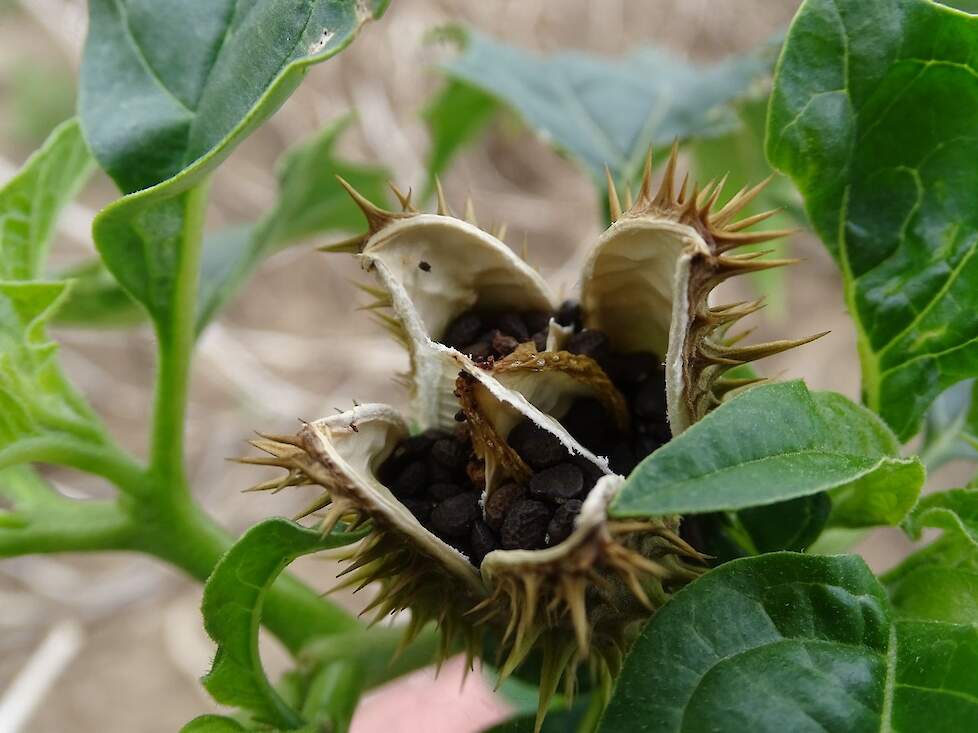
494 520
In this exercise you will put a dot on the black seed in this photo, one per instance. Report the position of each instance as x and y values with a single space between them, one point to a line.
588 343
500 501
450 453
434 434
424 266
540 340
440 492
562 524
411 480
558 484
482 540
590 424
630 370
503 345
536 321
646 444
439 474
460 416
478 350
412 447
538 447
621 460
569 314
589 470
454 516
525 526
463 330
650 401
420 508
512 324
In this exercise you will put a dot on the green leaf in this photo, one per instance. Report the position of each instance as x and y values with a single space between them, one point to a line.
951 427
955 510
454 117
609 112
36 399
310 202
874 119
185 112
773 443
167 88
212 724
788 525
787 642
937 582
32 200
232 607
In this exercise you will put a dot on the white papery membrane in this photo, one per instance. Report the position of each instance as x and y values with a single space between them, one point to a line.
646 284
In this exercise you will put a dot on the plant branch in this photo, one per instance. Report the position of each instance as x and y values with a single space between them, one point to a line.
107 461
176 342
69 525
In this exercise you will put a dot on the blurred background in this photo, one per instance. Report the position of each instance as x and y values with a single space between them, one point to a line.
114 643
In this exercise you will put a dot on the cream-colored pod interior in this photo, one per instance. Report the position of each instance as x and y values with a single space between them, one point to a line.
635 288
435 268
350 448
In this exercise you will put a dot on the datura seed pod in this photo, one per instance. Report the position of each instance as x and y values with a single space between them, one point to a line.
492 521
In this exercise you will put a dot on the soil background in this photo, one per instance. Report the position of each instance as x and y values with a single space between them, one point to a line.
125 630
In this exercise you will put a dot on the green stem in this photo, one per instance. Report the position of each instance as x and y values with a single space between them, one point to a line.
292 611
175 346
68 525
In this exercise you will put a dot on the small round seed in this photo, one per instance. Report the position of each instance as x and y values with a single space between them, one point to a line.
454 516
589 470
502 344
420 508
558 484
463 330
538 447
438 473
411 480
562 524
536 321
525 526
450 453
588 343
424 266
482 540
478 350
500 501
650 401
514 325
569 314
540 340
440 492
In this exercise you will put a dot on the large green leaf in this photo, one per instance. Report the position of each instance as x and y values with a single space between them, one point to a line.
31 201
951 427
188 99
609 112
310 202
797 643
232 608
955 511
873 113
773 443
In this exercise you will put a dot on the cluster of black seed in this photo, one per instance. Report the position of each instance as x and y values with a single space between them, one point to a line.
440 480
485 337
639 376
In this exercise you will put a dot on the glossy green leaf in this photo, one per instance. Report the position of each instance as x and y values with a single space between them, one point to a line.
232 608
609 111
163 86
787 642
773 443
189 99
212 724
872 114
454 117
788 525
31 201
